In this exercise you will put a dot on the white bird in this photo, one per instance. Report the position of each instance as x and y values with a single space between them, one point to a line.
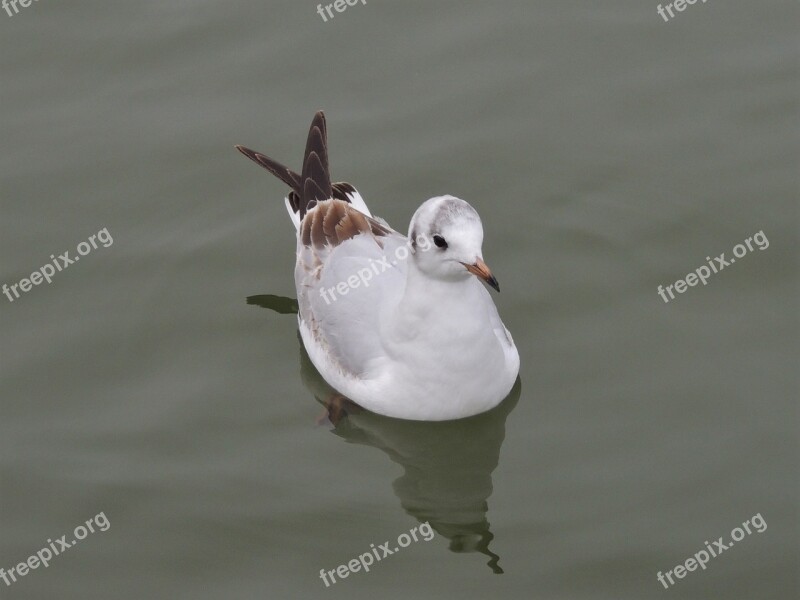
398 324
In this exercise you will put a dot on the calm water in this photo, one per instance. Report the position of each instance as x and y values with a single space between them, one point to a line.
607 151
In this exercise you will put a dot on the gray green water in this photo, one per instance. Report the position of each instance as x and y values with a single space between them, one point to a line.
607 151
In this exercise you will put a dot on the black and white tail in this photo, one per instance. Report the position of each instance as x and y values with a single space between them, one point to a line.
314 184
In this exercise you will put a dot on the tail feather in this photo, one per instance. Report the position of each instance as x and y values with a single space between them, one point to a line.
282 172
314 184
315 166
311 193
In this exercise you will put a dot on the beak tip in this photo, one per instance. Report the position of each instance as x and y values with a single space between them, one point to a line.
480 270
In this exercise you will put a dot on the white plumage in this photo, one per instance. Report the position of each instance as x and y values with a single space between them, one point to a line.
399 324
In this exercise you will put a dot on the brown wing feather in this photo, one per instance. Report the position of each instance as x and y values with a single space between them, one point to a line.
331 217
318 239
334 221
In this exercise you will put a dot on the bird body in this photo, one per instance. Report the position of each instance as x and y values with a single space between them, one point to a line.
399 324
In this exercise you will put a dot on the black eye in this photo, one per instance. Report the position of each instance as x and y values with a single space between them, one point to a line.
439 241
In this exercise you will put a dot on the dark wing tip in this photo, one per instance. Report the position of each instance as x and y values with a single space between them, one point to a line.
316 171
316 176
311 194
246 151
314 184
341 189
319 121
282 172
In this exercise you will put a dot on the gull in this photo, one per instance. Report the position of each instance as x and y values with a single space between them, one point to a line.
420 338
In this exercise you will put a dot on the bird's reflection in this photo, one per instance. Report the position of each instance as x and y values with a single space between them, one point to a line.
447 465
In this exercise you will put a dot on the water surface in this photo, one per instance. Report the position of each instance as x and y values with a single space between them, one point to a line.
608 153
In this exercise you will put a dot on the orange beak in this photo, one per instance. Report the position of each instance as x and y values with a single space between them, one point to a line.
482 271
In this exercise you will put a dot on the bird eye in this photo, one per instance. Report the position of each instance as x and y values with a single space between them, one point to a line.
439 241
